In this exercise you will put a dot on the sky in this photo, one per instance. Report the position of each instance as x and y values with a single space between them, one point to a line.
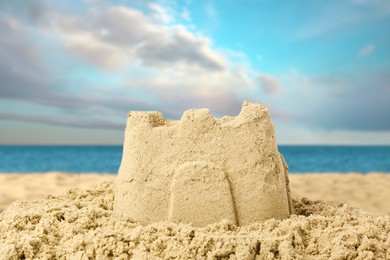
71 70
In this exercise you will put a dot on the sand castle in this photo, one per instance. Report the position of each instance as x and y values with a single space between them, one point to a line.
201 170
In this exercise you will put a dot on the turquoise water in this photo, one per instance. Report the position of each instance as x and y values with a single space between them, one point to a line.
107 158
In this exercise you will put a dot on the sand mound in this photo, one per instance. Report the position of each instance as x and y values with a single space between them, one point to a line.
80 225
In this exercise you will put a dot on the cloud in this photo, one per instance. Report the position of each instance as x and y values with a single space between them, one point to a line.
101 124
366 50
341 102
102 62
270 84
181 88
95 61
185 14
21 69
110 37
28 10
105 34
160 14
26 77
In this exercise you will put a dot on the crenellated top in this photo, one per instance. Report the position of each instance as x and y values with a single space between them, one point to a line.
152 119
197 118
252 111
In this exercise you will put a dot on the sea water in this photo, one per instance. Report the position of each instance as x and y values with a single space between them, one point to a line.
106 159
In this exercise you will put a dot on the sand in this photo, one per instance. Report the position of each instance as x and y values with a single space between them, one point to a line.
80 224
35 186
198 188
366 191
202 169
370 192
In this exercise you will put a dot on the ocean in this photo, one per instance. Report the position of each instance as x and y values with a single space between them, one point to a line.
106 159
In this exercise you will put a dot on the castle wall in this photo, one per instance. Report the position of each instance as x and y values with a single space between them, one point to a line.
226 168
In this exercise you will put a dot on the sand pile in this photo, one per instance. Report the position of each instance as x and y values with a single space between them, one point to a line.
201 170
80 225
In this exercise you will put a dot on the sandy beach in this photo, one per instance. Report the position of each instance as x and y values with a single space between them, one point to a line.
207 130
366 191
80 224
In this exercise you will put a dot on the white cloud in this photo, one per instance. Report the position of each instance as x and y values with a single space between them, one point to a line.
181 87
160 14
185 14
154 65
296 80
270 84
366 50
120 34
159 66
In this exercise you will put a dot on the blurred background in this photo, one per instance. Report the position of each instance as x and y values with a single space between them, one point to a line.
71 70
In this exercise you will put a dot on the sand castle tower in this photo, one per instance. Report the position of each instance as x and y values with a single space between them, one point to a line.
201 170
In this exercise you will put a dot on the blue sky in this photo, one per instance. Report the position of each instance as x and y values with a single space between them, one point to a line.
71 70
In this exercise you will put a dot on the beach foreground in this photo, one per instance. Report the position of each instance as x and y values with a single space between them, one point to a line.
80 225
366 191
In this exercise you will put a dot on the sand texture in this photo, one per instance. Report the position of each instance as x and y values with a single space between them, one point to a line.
366 191
35 186
202 169
80 225
370 192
